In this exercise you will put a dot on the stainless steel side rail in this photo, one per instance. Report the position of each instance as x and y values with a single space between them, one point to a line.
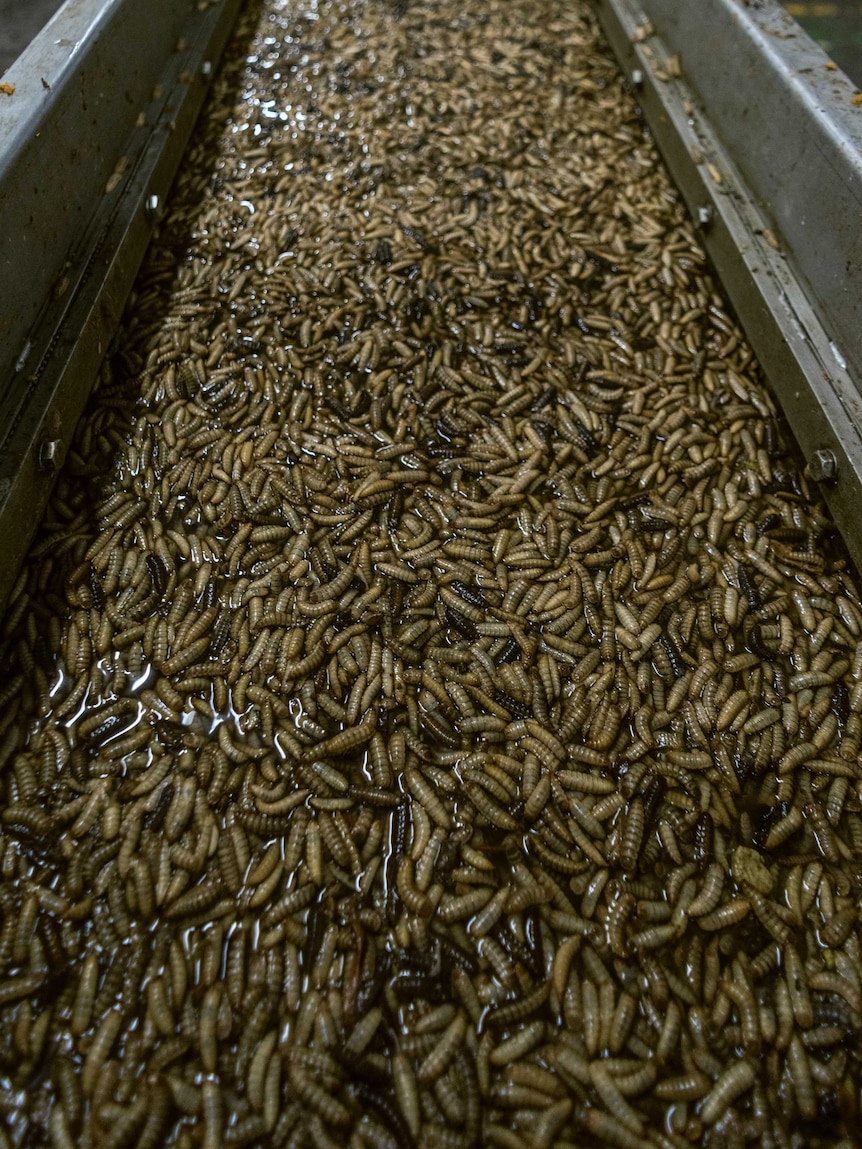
105 99
763 137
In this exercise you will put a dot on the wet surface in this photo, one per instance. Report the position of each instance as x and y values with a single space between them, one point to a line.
431 707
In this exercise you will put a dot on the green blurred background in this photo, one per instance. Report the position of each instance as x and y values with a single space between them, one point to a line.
837 26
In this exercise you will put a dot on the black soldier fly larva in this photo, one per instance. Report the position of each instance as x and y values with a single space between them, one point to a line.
431 708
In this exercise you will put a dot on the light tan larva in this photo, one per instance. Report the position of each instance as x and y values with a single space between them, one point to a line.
736 1080
431 707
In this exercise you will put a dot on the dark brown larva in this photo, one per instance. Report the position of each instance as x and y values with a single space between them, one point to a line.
431 708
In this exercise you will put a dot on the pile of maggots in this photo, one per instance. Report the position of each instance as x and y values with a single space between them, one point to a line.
432 703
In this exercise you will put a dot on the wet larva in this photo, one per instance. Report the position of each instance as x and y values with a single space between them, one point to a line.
736 1080
709 894
427 798
59 1129
213 1114
158 1008
749 870
784 828
263 891
258 1069
406 1092
271 1093
828 842
444 1051
632 834
459 907
426 859
415 900
82 1009
481 570
142 880
466 993
605 1086
689 1087
623 1018
103 1040
324 1104
828 982
727 914
322 966
208 1024
608 1128
769 916
800 1074
342 743
739 992
537 798
796 981
436 1019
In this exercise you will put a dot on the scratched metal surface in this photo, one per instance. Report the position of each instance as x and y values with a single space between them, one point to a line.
20 20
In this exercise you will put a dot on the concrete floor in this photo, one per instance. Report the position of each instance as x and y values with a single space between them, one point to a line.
20 20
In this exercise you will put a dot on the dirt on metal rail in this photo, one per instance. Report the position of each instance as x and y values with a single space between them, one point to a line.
431 706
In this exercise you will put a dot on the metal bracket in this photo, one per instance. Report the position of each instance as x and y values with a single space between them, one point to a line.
51 454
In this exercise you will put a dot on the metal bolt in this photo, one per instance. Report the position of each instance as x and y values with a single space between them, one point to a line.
153 205
637 78
207 69
50 451
823 466
704 215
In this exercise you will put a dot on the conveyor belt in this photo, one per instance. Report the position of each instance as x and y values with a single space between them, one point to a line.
431 704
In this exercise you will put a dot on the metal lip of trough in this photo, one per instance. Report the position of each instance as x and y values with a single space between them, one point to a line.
105 99
763 136
79 89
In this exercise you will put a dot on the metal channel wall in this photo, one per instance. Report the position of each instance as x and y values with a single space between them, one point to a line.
759 131
763 137
105 100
